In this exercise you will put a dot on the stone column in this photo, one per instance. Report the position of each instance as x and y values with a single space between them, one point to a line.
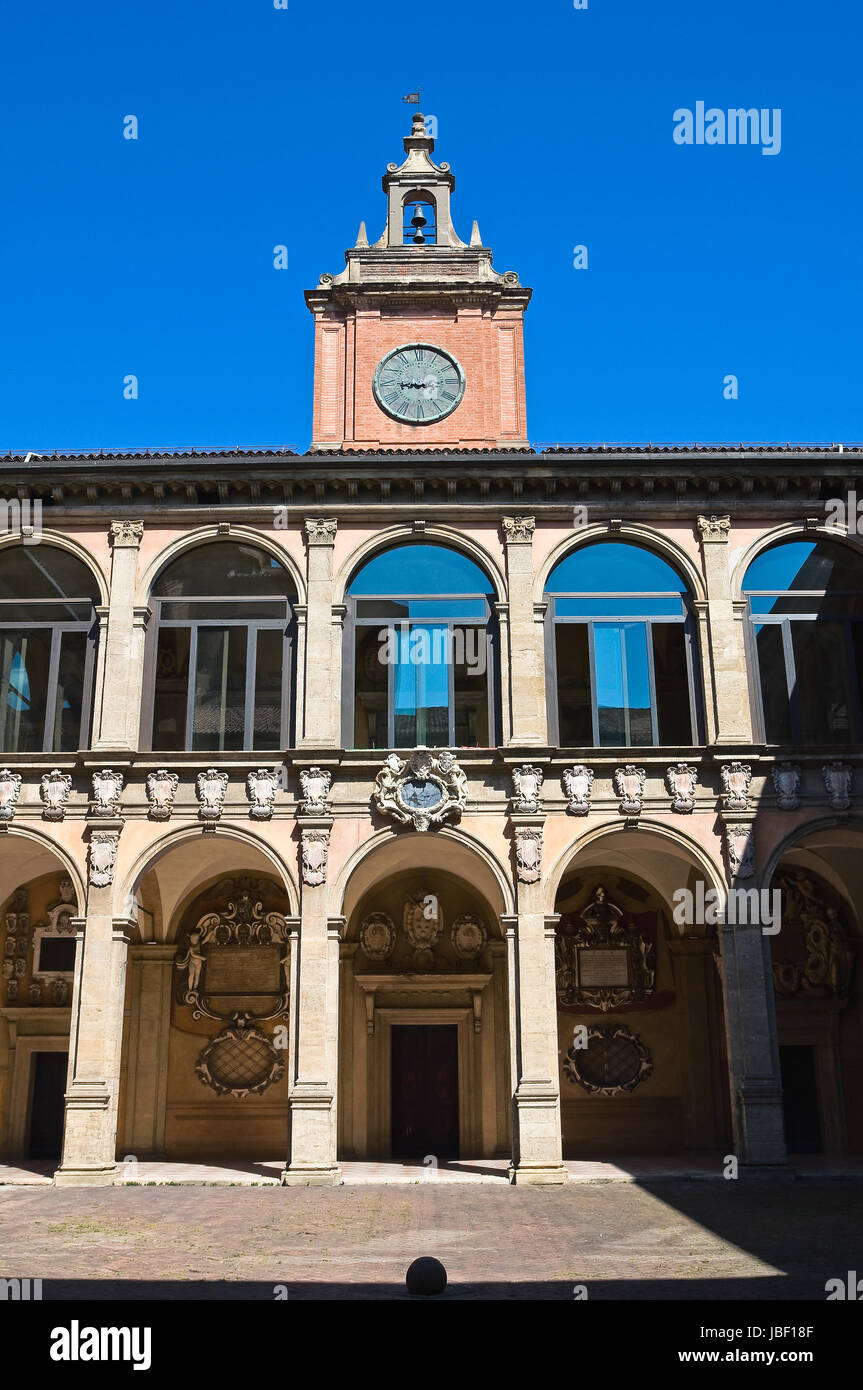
118 696
322 686
536 1140
725 676
96 1032
315 1021
750 1024
525 675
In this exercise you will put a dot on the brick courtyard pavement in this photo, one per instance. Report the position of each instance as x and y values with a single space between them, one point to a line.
678 1240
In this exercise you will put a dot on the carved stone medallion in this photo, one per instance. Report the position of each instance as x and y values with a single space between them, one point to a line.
578 784
107 790
315 853
10 787
613 1063
468 936
234 962
54 790
601 963
681 780
378 936
740 848
240 1061
837 783
736 778
422 920
261 789
527 781
786 784
103 854
528 853
211 786
629 787
423 790
161 789
316 783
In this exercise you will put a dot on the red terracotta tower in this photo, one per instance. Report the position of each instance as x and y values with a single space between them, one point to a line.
418 342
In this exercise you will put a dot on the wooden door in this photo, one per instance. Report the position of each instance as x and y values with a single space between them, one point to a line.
425 1091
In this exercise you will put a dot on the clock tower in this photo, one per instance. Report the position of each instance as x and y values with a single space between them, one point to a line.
418 342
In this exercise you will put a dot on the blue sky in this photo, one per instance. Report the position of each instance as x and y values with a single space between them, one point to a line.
260 127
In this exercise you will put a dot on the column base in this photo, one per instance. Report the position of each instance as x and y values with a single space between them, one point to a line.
311 1177
766 1170
537 1174
87 1177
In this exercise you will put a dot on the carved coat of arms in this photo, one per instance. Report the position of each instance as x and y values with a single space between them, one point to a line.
10 787
161 789
424 790
578 784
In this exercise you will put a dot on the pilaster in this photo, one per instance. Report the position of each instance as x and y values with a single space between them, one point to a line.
120 671
524 675
723 653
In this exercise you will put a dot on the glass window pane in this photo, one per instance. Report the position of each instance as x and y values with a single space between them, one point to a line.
267 731
370 683
826 565
218 716
223 568
470 672
613 567
822 690
42 612
216 610
774 683
68 734
44 571
622 684
671 683
573 686
612 606
172 688
24 663
420 569
421 683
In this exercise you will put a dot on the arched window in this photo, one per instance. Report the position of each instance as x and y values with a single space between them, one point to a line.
221 650
418 653
624 668
47 644
805 602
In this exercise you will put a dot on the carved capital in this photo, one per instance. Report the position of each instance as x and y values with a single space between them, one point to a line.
714 528
321 530
518 528
127 533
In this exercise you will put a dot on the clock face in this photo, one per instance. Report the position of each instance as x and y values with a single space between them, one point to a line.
418 383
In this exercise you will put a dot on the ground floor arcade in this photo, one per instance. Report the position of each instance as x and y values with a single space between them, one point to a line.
421 1003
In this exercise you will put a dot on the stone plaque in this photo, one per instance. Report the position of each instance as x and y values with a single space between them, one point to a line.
238 970
599 967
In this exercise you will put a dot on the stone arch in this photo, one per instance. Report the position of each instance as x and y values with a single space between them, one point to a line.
358 872
661 545
433 534
793 840
790 531
202 535
48 846
175 840
686 845
58 541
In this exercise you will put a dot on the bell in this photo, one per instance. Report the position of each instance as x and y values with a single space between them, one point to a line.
418 221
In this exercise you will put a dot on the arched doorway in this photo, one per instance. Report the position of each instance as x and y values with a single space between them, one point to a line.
38 945
818 983
640 1022
206 1044
424 1019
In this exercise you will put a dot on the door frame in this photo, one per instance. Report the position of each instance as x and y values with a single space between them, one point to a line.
23 1072
821 1034
381 1076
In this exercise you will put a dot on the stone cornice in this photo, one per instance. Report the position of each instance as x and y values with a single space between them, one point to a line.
791 483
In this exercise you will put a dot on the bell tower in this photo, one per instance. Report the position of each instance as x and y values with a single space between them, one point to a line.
418 342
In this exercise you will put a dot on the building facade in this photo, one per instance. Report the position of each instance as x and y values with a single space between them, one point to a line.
428 793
